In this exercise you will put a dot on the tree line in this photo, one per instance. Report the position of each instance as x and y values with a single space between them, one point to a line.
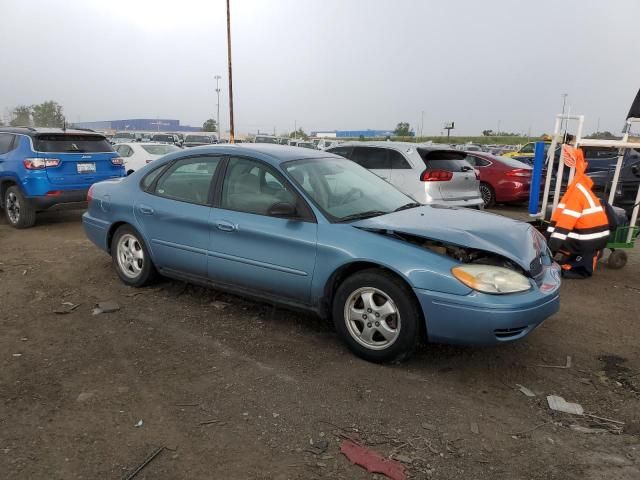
45 114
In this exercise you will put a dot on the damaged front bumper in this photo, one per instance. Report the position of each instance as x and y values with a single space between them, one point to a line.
485 319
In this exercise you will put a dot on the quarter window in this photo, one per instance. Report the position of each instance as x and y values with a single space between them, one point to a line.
6 143
397 160
188 180
252 187
342 151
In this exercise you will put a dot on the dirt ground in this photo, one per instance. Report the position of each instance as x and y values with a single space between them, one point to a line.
239 390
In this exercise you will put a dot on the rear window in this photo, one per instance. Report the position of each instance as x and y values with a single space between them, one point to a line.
512 162
444 160
159 149
62 143
163 138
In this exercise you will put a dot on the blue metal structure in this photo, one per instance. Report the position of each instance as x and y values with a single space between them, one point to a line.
536 177
139 124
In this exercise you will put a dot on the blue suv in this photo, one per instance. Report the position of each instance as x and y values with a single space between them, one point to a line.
51 168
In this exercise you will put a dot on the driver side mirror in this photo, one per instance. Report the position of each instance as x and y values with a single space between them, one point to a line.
282 210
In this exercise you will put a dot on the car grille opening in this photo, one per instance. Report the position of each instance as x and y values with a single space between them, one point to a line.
535 267
505 333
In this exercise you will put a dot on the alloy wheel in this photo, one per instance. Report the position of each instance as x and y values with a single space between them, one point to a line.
130 256
487 195
372 318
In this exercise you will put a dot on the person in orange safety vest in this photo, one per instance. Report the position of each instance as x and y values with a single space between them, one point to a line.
579 227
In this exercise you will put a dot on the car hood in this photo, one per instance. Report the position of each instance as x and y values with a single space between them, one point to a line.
512 239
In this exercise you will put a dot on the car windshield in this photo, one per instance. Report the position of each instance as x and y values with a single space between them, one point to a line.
344 190
159 149
163 138
266 140
512 162
197 139
125 135
62 143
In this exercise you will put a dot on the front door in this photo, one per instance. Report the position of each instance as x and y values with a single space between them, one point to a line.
253 250
174 214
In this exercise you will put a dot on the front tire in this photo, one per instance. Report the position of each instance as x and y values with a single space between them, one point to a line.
131 258
377 316
19 211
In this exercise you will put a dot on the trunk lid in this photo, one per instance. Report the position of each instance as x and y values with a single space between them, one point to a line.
517 241
463 184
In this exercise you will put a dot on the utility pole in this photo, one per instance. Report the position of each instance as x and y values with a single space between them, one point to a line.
218 77
421 123
231 127
498 132
295 129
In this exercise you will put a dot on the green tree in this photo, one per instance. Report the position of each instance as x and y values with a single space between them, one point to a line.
48 114
488 133
403 129
210 126
300 133
606 135
21 116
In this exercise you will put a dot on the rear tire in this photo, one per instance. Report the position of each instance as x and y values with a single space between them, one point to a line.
131 258
377 316
488 194
19 211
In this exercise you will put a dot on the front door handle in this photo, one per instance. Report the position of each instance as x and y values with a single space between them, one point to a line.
145 209
226 226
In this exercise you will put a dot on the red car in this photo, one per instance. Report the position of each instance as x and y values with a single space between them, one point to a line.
502 179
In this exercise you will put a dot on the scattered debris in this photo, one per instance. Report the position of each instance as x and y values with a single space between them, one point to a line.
403 459
525 390
567 365
209 422
429 426
144 463
317 447
581 429
187 404
372 461
17 354
474 428
138 424
84 396
604 419
276 415
218 305
559 404
66 307
106 307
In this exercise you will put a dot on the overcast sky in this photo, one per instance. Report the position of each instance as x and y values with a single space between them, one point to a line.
330 64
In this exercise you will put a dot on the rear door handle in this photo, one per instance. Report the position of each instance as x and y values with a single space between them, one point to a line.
145 209
226 226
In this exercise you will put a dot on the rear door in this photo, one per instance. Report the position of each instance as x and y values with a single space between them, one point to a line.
375 159
463 183
402 174
83 158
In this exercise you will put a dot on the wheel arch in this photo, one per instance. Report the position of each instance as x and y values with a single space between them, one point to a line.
112 231
348 269
5 183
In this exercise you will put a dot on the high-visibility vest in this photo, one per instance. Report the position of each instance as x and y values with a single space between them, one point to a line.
579 224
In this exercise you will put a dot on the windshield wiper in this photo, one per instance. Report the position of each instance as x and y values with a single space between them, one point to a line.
407 206
363 215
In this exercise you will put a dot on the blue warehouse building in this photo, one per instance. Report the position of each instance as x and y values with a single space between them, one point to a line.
352 133
139 124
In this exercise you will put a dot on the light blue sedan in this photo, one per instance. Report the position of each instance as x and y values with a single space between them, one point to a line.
315 231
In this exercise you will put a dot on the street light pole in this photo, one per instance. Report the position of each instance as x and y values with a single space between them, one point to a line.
564 102
231 127
218 77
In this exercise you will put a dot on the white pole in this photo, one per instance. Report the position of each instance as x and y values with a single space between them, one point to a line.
616 174
572 171
550 161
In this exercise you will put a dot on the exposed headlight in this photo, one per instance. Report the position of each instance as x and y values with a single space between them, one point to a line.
491 279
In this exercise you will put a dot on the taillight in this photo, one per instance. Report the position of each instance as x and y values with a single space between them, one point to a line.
117 161
90 194
518 172
477 172
436 176
40 163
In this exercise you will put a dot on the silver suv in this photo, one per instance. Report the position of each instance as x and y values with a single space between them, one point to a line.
427 173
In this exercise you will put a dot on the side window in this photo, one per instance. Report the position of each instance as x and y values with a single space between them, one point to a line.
342 151
151 177
6 143
397 161
473 161
371 158
528 148
481 162
252 187
188 180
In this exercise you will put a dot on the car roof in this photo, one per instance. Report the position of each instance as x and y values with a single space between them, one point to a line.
141 144
33 131
270 152
395 145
